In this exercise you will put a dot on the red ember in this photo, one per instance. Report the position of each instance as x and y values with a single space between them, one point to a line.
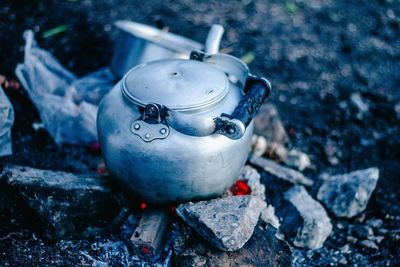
143 206
240 188
145 249
95 148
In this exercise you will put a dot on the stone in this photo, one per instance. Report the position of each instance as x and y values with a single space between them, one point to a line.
279 172
274 150
259 145
6 122
375 223
397 110
227 223
347 195
368 244
269 217
360 231
253 179
305 221
68 205
268 124
297 159
263 249
360 104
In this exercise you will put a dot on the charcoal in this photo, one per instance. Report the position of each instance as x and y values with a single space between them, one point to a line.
227 223
68 205
347 195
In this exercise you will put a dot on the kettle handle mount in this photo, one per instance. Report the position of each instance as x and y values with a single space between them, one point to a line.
232 125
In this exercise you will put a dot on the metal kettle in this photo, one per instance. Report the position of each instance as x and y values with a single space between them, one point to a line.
177 130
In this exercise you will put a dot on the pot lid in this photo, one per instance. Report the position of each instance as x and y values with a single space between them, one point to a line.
160 37
178 84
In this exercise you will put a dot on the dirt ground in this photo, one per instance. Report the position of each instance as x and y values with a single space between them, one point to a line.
317 55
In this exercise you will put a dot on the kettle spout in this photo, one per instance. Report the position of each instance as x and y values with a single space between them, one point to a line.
214 39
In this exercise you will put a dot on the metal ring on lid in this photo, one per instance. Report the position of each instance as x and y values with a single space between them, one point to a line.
180 85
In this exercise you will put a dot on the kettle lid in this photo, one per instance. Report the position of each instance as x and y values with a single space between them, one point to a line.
178 84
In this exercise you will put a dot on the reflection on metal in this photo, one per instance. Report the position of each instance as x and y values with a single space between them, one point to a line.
189 124
214 39
149 132
138 43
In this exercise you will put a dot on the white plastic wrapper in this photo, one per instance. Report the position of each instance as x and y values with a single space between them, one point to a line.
67 105
6 122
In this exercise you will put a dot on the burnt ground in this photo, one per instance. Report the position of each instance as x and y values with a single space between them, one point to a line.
317 54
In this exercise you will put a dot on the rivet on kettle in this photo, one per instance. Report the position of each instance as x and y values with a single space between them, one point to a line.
147 136
136 126
163 131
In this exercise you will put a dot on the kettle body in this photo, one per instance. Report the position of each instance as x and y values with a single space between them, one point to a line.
162 134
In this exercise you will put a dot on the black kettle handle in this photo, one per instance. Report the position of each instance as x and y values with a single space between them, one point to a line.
256 91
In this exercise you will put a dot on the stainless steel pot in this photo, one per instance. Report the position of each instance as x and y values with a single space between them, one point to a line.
177 130
138 43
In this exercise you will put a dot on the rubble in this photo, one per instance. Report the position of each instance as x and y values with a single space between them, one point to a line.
277 171
252 178
368 244
304 221
68 205
6 122
360 104
268 124
297 159
268 216
260 147
347 195
263 249
227 223
360 231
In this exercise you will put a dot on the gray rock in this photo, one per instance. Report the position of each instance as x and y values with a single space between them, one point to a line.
268 124
253 179
307 225
347 195
360 231
263 249
368 244
227 223
259 145
277 171
268 216
375 223
68 205
6 122
298 159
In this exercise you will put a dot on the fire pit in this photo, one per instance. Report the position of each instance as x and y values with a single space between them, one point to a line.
319 187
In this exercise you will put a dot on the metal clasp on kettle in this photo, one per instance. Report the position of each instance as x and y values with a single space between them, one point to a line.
151 125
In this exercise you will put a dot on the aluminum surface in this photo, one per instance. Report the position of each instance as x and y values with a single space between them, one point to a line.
178 168
181 85
201 150
138 43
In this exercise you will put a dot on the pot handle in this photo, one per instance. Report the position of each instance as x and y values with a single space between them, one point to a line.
232 126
